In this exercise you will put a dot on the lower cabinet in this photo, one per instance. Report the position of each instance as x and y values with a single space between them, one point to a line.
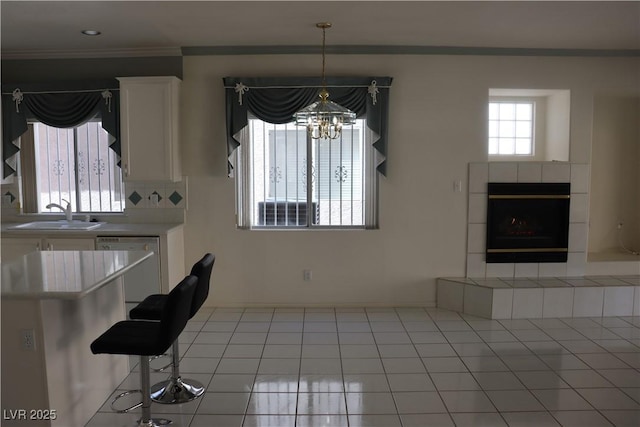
14 247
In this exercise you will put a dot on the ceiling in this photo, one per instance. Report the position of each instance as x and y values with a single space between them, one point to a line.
52 28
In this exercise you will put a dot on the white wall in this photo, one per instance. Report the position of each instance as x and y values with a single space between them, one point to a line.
615 174
558 124
438 113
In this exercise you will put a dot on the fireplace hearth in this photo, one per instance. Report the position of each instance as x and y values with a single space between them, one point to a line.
527 222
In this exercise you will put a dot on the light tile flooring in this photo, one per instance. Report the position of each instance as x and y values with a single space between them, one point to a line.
406 367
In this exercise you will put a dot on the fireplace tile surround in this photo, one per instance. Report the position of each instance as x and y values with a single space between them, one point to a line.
535 290
481 173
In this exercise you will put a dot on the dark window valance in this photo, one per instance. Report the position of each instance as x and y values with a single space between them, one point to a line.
61 105
276 100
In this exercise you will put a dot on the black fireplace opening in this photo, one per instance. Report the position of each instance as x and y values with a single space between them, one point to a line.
528 222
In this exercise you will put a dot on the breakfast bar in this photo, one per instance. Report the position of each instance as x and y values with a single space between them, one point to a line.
54 304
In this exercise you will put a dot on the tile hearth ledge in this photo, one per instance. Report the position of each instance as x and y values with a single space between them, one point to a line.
519 298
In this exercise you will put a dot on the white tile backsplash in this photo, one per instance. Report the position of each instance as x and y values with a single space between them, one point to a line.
171 195
157 196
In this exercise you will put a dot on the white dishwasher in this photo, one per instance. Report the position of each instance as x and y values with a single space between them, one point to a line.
144 279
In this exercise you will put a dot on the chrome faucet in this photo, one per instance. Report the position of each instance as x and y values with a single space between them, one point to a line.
67 211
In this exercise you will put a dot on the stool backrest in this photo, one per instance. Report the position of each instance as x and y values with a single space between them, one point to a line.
202 270
177 310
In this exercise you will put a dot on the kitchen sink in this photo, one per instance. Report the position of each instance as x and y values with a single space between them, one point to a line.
57 225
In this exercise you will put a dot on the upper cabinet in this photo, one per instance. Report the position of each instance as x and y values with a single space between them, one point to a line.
149 108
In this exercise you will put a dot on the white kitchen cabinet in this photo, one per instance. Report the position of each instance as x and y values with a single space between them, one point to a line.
149 115
14 247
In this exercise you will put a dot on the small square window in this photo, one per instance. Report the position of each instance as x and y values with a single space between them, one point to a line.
511 128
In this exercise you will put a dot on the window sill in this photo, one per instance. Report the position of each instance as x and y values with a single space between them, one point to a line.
314 228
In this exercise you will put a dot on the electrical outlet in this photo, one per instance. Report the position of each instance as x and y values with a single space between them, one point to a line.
28 339
307 275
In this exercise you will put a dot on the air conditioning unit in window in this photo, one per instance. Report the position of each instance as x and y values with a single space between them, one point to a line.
285 213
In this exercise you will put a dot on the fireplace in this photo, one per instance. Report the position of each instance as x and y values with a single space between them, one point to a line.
527 222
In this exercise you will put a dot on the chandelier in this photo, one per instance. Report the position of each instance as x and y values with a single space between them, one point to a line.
324 119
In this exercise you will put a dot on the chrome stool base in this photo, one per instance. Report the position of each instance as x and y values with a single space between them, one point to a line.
176 390
154 422
124 394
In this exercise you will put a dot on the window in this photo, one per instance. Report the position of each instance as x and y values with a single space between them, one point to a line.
289 180
511 128
74 165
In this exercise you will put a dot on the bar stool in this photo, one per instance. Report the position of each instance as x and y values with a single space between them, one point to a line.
177 389
149 338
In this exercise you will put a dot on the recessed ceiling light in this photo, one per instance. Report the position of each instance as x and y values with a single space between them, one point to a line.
91 32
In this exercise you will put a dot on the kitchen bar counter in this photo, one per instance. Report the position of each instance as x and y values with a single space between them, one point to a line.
106 229
171 251
65 274
54 304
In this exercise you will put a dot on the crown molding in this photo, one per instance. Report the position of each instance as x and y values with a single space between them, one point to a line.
405 50
94 53
303 50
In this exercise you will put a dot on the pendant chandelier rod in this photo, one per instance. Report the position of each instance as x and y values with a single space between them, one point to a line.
324 26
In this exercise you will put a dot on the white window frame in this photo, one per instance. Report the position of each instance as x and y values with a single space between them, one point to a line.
497 135
244 204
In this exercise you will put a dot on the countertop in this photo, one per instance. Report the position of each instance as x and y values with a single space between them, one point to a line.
107 229
65 274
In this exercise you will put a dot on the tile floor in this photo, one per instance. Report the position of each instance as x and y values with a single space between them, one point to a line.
405 367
